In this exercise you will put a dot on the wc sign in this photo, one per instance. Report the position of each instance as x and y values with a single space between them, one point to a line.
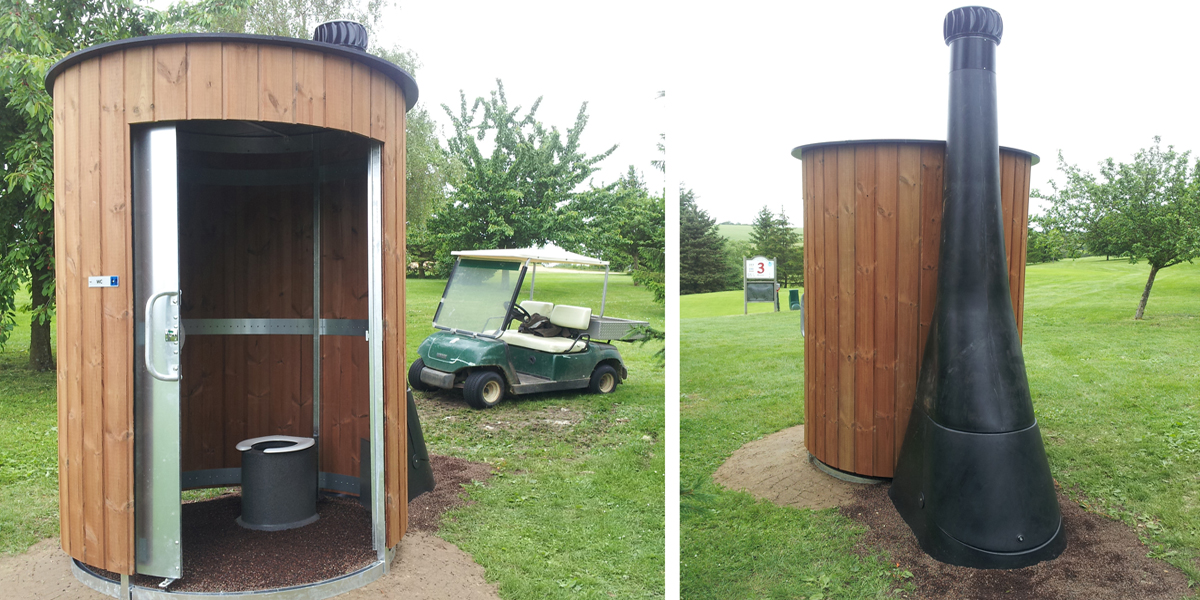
760 267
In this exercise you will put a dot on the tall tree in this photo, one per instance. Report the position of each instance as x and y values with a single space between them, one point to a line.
774 237
1148 209
520 193
701 249
617 222
34 35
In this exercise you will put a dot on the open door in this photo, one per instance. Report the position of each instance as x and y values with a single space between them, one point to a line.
158 338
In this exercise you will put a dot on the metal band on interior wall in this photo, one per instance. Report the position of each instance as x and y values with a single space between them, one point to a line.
316 316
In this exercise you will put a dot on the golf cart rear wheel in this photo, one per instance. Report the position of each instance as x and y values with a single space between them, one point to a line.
483 389
604 380
414 377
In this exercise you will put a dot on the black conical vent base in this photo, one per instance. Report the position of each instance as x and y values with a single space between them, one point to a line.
342 33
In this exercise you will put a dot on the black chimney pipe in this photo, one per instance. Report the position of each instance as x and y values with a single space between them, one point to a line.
973 481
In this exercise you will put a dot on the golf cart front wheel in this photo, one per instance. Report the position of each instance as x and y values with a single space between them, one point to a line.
604 380
414 377
483 389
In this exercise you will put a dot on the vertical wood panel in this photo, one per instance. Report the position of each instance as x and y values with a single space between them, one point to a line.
276 96
139 85
170 82
338 92
908 290
204 85
240 83
93 313
60 161
1007 174
1024 168
832 306
387 123
382 110
360 99
400 111
1011 182
814 296
886 233
68 275
117 325
809 338
235 373
931 234
310 87
864 311
847 300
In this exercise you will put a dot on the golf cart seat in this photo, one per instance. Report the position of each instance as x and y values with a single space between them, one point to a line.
572 317
537 307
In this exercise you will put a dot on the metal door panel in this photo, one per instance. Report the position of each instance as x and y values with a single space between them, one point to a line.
157 510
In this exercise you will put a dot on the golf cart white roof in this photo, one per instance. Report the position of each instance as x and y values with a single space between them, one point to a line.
537 255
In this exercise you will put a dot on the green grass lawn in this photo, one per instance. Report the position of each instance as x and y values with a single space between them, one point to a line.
28 446
695 306
576 509
741 233
1117 401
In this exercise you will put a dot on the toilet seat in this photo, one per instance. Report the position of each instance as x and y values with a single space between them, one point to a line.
297 443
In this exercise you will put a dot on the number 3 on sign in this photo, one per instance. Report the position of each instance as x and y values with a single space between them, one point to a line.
760 267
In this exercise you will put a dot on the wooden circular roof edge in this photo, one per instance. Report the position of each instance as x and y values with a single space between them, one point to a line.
402 78
799 150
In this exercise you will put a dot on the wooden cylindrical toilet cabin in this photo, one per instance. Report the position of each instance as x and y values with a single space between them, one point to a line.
229 217
872 228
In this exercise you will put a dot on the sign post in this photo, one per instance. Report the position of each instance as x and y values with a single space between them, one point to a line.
758 283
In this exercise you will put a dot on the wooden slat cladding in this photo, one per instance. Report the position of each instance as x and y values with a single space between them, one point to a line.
95 102
872 213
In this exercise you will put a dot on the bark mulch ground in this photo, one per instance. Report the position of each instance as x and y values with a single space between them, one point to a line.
449 475
1104 560
219 555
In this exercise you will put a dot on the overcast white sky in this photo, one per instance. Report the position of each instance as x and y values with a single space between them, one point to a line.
756 79
608 54
749 81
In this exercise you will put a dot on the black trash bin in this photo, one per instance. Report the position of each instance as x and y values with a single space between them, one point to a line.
279 482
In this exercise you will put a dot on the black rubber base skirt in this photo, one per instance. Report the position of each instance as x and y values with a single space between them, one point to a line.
982 500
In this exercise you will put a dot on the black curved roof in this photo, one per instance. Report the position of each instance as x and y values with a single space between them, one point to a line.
400 76
799 150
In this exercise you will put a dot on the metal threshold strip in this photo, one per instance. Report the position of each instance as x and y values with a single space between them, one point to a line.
356 327
312 591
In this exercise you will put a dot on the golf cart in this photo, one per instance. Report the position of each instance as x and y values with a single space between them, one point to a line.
477 351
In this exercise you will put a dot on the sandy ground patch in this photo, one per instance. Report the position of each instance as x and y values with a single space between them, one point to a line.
776 468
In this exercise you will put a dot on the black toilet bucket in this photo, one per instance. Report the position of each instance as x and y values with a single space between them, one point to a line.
279 487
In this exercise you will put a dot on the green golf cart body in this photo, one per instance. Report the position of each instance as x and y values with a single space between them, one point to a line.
477 351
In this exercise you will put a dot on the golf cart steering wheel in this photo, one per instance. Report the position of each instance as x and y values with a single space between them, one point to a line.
520 312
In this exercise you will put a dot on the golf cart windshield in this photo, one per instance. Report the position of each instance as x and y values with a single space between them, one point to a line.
478 295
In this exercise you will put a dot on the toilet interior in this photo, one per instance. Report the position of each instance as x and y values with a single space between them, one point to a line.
252 196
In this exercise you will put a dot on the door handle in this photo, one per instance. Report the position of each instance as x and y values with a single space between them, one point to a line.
171 335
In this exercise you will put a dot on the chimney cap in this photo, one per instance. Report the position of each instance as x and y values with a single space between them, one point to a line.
979 21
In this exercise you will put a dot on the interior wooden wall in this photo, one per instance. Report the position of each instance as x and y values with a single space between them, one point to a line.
245 252
872 214
95 102
345 412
